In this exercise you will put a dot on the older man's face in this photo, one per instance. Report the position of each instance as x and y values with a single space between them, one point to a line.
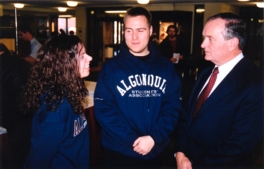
215 46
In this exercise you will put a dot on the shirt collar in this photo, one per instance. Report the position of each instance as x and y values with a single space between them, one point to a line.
227 67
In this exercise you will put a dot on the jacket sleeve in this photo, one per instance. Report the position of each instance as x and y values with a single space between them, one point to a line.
170 109
48 131
182 128
246 133
185 118
181 131
107 114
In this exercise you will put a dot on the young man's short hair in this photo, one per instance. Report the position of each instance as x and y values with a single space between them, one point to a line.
137 11
24 28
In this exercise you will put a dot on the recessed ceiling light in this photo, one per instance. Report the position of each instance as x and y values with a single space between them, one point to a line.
115 11
18 5
143 1
199 10
72 3
260 4
243 0
62 9
65 16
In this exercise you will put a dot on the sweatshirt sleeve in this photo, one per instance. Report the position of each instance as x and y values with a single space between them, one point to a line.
48 131
107 114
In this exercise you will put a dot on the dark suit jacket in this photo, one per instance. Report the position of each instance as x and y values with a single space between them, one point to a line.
230 122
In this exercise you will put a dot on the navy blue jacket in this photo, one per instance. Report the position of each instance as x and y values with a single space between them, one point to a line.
59 139
229 124
134 98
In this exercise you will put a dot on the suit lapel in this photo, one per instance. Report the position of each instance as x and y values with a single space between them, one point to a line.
229 83
197 88
222 90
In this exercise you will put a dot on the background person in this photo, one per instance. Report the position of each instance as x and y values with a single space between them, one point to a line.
14 73
173 43
137 98
25 33
55 93
229 123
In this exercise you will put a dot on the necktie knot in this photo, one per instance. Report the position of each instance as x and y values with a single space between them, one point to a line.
215 71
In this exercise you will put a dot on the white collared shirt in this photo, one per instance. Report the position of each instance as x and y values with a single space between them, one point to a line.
223 71
35 46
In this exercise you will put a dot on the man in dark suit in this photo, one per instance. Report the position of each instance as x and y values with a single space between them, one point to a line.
228 125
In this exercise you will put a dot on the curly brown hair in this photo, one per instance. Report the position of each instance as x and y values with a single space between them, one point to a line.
55 76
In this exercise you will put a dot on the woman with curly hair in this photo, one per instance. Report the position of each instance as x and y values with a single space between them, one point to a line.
56 94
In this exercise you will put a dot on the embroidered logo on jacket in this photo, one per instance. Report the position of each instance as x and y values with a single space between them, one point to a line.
142 80
79 124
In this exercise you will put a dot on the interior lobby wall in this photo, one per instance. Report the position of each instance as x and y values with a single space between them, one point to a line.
81 21
80 14
1 10
214 8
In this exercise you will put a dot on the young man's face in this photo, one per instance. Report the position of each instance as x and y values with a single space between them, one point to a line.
171 32
23 35
137 34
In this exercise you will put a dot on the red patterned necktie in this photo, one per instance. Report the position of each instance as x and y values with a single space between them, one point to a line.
206 91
